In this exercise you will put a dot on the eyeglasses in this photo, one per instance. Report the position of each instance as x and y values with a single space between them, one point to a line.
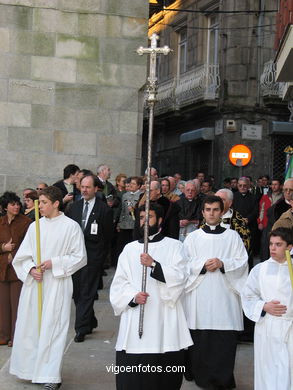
287 189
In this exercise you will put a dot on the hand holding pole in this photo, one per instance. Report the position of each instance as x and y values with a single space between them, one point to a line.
289 261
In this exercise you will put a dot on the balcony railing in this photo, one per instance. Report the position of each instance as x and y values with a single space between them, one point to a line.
196 85
269 86
200 84
166 96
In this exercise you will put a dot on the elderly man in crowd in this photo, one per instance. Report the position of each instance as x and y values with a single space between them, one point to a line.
247 205
190 210
232 219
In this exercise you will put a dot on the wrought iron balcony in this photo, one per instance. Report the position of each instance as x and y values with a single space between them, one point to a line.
166 96
269 86
201 83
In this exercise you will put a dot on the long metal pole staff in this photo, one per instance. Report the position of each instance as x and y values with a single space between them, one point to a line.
153 50
290 268
38 246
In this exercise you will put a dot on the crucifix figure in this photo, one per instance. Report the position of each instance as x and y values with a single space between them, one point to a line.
153 51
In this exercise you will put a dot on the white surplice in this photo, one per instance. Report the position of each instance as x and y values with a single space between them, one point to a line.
164 327
273 336
212 300
39 357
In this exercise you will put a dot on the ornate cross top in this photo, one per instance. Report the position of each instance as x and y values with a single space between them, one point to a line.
153 51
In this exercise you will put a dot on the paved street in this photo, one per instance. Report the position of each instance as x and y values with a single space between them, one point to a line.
85 363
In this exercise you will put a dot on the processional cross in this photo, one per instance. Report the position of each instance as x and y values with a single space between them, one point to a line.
152 87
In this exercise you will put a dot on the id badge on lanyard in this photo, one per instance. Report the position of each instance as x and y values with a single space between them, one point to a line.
94 228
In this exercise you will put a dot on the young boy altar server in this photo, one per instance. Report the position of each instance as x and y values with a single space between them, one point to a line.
267 299
37 356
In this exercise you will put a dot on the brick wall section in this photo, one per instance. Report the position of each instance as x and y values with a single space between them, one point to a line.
284 17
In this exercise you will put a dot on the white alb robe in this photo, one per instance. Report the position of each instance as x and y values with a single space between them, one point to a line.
212 300
39 357
273 336
165 327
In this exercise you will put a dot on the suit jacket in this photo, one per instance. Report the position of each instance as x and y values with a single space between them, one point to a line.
96 244
190 210
109 189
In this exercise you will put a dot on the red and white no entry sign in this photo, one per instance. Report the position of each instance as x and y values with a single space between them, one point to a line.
240 155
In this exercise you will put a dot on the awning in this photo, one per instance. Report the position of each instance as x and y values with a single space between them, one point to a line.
284 57
281 128
198 135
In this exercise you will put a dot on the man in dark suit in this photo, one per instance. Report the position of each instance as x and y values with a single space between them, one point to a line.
67 185
96 221
103 174
247 205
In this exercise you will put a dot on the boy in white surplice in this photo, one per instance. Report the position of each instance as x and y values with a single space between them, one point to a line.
37 355
267 299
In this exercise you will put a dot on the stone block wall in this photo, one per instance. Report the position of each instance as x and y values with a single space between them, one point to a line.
69 87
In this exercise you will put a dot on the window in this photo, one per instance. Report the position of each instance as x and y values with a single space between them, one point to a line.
182 51
213 38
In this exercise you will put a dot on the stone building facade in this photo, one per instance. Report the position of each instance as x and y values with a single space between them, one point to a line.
217 89
69 87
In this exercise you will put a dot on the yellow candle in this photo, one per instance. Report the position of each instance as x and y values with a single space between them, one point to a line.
38 245
288 257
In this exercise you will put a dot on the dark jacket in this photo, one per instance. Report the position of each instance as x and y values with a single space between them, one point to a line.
247 206
190 210
275 212
96 244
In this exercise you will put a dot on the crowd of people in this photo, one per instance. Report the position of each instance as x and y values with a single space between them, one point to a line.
203 241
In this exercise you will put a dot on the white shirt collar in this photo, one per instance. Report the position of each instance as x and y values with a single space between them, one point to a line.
90 201
212 227
228 214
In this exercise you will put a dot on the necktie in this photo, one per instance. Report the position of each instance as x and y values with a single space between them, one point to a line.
84 215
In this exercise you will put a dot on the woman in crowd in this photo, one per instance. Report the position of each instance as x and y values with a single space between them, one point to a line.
13 227
120 183
29 204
